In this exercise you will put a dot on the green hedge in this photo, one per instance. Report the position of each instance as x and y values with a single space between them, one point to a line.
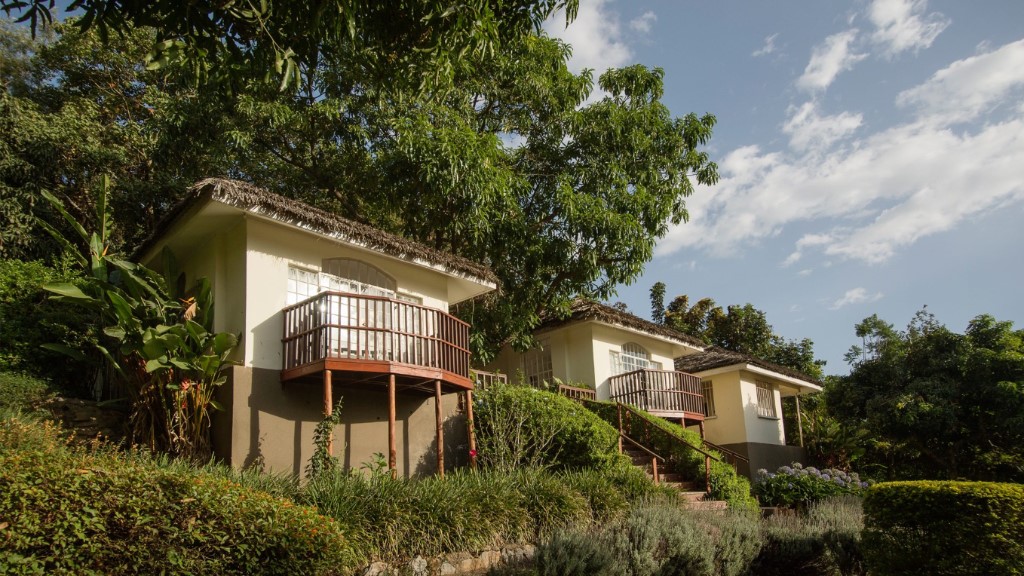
932 527
67 510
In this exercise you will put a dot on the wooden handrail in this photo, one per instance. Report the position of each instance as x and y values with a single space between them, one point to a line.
659 391
632 410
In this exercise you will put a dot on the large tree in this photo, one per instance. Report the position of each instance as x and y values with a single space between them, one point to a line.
743 329
938 404
507 162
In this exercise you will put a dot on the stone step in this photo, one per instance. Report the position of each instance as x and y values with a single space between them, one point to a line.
693 496
709 505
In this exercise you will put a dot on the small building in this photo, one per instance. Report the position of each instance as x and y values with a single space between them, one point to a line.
733 399
326 307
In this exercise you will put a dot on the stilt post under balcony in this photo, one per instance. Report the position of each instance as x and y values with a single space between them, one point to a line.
392 451
471 433
440 428
799 420
329 408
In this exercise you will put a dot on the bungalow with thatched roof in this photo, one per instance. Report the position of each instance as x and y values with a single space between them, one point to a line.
326 307
733 399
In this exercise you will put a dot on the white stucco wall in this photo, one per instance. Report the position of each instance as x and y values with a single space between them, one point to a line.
729 424
272 248
758 428
607 339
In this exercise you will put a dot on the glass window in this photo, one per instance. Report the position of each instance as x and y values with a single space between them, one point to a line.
709 397
766 400
536 365
631 357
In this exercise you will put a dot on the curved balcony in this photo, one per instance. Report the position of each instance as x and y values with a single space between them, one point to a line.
372 335
665 393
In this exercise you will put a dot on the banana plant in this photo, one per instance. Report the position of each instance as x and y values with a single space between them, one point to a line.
158 344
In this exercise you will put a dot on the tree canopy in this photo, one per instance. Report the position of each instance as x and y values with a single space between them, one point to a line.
743 329
937 403
506 162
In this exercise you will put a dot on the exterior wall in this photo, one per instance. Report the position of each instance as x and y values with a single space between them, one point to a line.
729 424
767 456
759 429
273 247
606 339
273 424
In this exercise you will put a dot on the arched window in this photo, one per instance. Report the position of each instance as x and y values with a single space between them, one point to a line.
366 276
630 357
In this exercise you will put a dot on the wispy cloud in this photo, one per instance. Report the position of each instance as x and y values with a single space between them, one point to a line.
767 48
809 130
855 296
644 22
828 60
902 25
595 35
868 196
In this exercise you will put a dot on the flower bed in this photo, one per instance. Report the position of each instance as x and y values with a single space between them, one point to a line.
798 486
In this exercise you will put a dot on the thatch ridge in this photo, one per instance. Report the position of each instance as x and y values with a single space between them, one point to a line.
581 310
258 200
716 357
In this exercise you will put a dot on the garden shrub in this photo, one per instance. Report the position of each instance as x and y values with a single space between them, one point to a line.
21 392
519 426
933 527
822 539
798 486
69 510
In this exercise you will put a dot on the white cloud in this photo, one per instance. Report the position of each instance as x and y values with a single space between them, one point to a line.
828 60
855 296
805 272
809 130
768 48
644 22
969 87
876 193
901 25
595 35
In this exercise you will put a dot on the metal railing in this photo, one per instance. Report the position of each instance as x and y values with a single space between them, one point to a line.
360 327
659 391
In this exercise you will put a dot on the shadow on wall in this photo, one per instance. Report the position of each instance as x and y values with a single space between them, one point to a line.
456 447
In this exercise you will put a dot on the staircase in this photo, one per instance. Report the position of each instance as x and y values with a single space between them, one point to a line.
659 471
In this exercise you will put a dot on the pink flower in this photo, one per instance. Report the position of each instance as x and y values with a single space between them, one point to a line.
472 453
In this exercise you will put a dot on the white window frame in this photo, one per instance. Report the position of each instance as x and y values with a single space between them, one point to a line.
766 400
630 357
537 366
707 389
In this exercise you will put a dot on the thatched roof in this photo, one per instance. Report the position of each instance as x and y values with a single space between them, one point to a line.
257 200
582 310
715 357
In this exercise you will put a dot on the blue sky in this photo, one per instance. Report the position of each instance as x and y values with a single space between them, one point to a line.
871 155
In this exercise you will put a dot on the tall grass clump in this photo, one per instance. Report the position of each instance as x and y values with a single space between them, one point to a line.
823 540
75 510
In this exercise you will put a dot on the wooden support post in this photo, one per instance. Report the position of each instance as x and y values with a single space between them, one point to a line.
799 420
392 451
701 425
440 428
471 433
654 470
707 474
618 407
329 408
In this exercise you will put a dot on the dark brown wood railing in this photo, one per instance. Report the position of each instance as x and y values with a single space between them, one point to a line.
576 393
659 391
361 327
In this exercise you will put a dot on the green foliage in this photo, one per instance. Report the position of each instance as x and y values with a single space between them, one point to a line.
466 510
22 393
519 426
930 527
798 486
823 540
652 539
938 404
157 343
322 461
743 329
72 511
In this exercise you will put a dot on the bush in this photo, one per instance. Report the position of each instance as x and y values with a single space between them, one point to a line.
655 538
931 527
21 392
519 426
28 319
67 510
798 486
823 539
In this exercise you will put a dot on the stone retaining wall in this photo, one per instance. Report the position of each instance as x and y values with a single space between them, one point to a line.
453 564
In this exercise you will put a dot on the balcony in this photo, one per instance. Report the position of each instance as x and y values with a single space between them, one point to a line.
365 336
664 393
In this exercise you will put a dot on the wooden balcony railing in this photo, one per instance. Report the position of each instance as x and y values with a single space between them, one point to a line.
339 325
659 391
575 393
483 380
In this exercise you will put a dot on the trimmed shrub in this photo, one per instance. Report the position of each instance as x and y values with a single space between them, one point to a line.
519 426
21 392
933 527
823 539
798 486
67 510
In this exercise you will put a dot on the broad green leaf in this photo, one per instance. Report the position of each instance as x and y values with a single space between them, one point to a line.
224 342
216 405
122 308
115 332
66 289
66 350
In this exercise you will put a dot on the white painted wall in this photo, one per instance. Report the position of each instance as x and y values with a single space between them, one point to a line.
611 338
760 429
272 247
729 424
